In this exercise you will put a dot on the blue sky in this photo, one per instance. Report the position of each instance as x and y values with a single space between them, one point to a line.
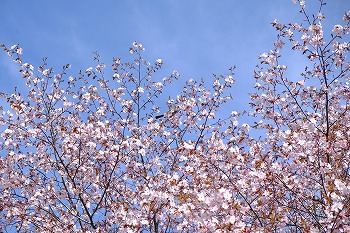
195 37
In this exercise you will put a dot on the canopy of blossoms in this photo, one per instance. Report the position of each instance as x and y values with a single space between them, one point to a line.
95 152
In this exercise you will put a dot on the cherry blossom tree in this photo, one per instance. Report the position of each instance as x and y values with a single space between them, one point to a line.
87 153
95 152
301 167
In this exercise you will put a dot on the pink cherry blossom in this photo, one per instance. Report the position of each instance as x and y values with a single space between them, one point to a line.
104 151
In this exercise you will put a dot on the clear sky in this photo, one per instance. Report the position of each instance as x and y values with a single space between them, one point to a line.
195 37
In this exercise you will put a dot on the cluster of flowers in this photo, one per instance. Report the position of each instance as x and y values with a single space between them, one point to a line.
92 154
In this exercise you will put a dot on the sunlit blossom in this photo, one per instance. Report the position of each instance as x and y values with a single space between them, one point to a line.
337 29
346 16
159 61
100 67
230 79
